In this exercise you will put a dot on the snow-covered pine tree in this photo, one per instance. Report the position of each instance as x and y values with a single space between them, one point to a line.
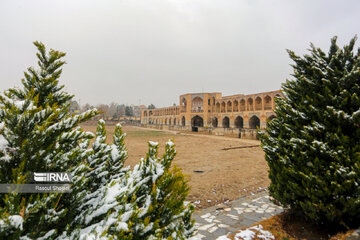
107 201
37 134
118 154
98 206
154 198
146 203
313 146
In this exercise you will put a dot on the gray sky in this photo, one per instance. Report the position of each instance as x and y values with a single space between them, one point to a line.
152 51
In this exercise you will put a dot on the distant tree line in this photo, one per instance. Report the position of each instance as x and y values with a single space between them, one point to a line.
113 110
151 106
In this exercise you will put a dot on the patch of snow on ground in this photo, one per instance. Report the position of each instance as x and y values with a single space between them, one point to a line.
223 238
251 233
246 234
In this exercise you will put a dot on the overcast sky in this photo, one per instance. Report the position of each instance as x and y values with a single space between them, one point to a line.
151 51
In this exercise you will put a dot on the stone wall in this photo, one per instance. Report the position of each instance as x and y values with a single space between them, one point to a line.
229 132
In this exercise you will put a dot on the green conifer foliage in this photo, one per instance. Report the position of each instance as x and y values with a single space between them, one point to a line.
43 83
154 199
98 205
107 200
312 146
38 135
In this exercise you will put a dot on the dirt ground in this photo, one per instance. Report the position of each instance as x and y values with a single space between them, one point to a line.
221 174
290 226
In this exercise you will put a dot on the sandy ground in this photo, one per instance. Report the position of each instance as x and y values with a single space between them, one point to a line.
227 174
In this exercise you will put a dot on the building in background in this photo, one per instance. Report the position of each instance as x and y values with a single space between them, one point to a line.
238 115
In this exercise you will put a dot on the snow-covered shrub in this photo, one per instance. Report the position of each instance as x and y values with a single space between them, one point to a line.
107 201
312 146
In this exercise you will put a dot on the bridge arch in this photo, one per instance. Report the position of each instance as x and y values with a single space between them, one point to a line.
197 121
226 122
254 122
239 122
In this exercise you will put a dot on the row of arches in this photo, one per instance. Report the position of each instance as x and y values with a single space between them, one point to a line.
162 112
249 104
257 103
198 121
254 122
166 121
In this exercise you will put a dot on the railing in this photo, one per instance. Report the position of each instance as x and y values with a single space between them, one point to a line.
197 110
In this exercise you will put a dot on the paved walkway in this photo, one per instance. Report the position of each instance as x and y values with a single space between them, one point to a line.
218 221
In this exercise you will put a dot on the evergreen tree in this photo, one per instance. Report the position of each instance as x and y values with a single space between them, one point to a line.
40 136
151 106
129 111
154 199
98 204
107 201
312 146
146 203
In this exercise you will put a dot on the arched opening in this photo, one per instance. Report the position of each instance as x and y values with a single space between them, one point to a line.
165 121
258 103
239 122
217 107
229 106
236 106
170 121
242 105
197 104
145 113
250 104
226 122
267 102
174 121
197 121
183 121
254 122
214 122
223 107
